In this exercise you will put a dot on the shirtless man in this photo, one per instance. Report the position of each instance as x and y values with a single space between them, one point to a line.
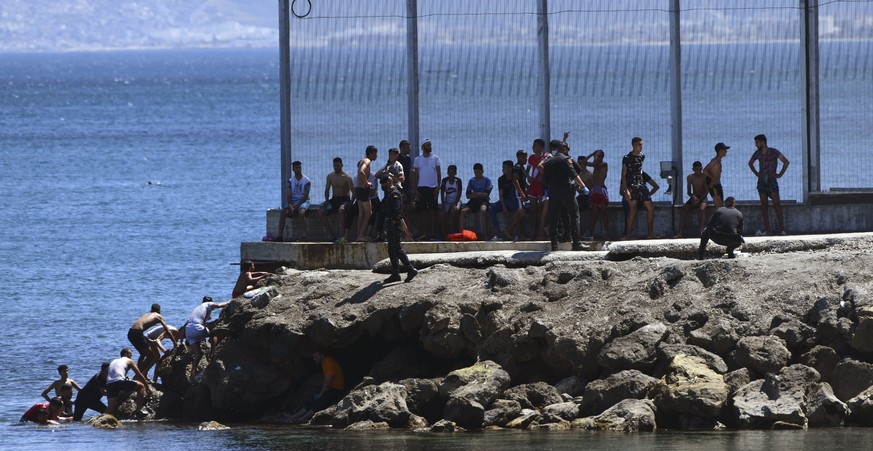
696 183
342 186
363 188
57 385
137 337
712 171
247 278
599 194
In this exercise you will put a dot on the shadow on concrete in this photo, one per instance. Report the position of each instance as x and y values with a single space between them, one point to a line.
363 294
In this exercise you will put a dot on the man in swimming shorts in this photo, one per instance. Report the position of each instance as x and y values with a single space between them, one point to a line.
197 329
137 338
768 160
118 382
599 193
712 171
57 386
696 183
342 186
363 190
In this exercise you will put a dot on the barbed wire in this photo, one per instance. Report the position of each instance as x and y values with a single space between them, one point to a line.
308 16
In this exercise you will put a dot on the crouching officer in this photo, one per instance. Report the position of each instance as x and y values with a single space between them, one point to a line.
725 227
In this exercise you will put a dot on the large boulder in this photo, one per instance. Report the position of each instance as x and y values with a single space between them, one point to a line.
471 389
568 411
862 338
690 388
761 354
533 396
385 402
605 393
502 411
423 397
792 397
630 415
104 421
573 385
717 336
823 358
666 353
239 381
850 378
862 407
634 351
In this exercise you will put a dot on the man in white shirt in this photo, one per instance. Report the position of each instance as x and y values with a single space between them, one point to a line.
196 329
117 382
426 174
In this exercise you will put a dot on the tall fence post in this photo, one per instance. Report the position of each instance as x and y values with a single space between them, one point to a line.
412 75
285 95
676 99
543 86
810 108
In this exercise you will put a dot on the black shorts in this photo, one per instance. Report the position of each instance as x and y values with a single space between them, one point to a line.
137 339
476 204
362 194
334 204
114 388
640 193
701 198
427 198
717 191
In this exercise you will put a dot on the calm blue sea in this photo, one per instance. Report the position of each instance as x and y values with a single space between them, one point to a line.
130 178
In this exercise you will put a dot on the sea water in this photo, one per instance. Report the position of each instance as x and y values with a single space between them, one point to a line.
130 178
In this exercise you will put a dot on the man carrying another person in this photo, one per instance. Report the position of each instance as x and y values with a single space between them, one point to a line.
136 336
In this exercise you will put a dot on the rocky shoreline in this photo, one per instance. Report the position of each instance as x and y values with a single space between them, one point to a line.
769 340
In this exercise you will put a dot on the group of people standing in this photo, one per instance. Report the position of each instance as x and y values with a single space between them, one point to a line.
524 191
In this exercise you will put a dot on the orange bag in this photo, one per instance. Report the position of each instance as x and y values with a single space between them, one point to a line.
465 235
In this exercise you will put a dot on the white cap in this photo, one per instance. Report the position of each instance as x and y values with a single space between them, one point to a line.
425 140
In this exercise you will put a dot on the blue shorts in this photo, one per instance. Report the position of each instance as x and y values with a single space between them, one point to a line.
195 333
303 206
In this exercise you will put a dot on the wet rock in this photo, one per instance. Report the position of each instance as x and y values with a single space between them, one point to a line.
563 410
533 396
500 277
559 425
524 419
604 393
422 397
446 426
385 402
636 351
211 426
368 425
690 388
416 422
198 403
502 411
850 378
862 338
104 421
793 396
573 385
717 336
824 359
234 367
470 389
666 353
861 407
629 415
761 354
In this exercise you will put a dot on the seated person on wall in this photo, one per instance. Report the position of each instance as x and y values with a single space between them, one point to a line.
450 197
342 185
696 182
50 412
331 392
478 194
725 227
508 191
298 202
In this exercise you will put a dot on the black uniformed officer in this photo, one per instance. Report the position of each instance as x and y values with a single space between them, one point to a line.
558 173
725 227
392 208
